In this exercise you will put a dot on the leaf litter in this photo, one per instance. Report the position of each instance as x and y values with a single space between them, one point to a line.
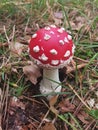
27 112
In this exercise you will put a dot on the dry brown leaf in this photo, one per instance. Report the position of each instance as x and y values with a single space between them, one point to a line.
66 106
15 102
57 21
52 102
58 15
25 40
48 126
78 23
18 47
32 72
83 117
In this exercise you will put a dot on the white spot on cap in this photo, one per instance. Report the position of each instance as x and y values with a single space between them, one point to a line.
61 61
51 32
66 62
53 26
47 28
58 35
36 49
47 37
42 48
54 62
40 40
43 57
34 35
61 42
53 51
66 40
63 28
60 30
67 54
69 37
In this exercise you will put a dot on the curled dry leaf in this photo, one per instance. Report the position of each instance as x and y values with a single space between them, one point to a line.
78 23
15 102
66 106
58 15
48 126
32 72
17 48
82 116
52 102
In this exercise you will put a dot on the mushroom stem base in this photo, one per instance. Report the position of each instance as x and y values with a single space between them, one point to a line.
50 83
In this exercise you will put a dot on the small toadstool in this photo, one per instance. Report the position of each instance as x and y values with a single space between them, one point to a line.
51 48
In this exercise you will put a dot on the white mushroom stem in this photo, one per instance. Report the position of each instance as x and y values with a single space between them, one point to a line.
50 83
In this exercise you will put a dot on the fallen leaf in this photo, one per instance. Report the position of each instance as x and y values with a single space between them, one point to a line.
83 117
66 106
52 102
32 72
15 102
48 126
55 17
18 47
25 40
58 15
78 23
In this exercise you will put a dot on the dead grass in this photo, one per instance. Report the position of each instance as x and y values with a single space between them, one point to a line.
23 107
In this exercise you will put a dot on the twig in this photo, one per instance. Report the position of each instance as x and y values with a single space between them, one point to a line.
30 99
95 126
80 104
14 64
4 45
87 128
15 3
70 69
78 96
43 119
86 61
13 34
6 101
26 25
6 35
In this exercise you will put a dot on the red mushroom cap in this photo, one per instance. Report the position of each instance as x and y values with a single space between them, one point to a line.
51 47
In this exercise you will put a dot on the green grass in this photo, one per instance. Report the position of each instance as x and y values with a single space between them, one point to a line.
35 13
65 119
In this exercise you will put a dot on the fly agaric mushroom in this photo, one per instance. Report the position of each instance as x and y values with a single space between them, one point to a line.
51 48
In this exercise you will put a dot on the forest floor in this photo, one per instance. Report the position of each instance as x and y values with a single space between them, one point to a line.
22 107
